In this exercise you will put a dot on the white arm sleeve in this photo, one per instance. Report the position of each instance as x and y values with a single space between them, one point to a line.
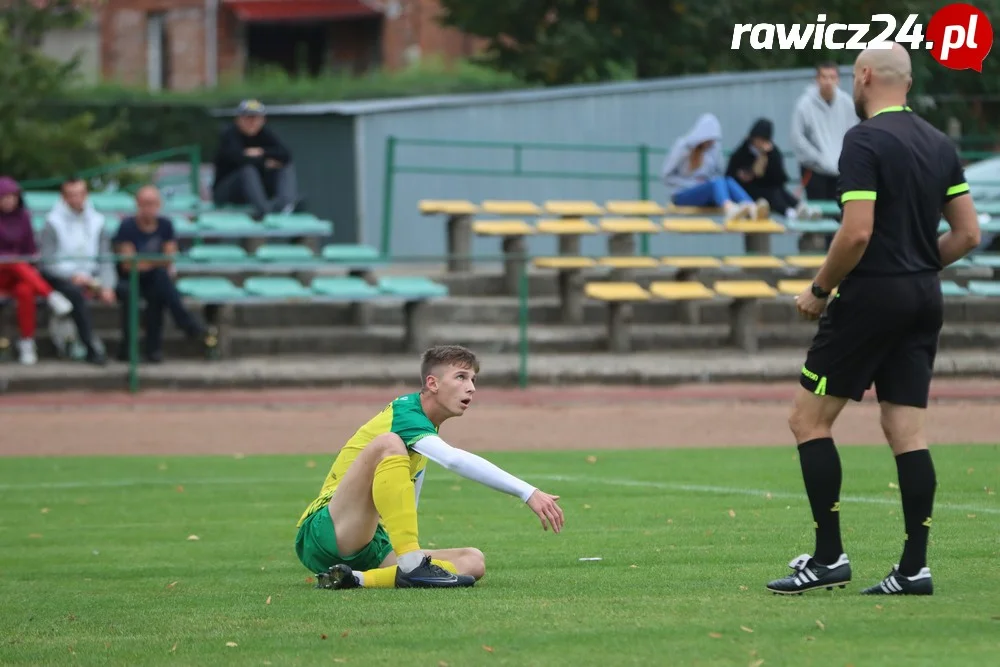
472 467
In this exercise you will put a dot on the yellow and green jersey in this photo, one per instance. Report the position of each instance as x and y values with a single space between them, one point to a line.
405 417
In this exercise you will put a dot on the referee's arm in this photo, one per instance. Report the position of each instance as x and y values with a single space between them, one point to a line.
960 213
858 179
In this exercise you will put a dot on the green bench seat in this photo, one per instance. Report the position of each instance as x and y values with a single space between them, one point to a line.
276 287
305 224
988 288
951 288
812 226
217 254
347 253
285 253
416 287
988 260
210 289
348 288
229 223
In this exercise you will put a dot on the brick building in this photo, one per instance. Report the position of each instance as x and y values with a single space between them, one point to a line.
185 44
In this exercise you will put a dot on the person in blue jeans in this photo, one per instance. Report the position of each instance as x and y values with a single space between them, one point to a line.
695 171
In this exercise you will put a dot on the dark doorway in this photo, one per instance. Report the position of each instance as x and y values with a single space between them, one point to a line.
298 48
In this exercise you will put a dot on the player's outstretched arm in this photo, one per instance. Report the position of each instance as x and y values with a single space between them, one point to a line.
478 469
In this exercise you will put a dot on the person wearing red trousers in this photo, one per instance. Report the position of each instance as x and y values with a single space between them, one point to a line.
19 279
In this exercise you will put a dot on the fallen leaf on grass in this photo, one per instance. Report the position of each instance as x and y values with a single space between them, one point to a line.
768 495
819 624
268 600
810 639
633 566
989 491
879 607
442 663
232 644
732 514
456 488
45 510
756 663
310 580
715 635
180 489
591 459
171 584
744 588
340 660
344 633
71 649
162 466
669 521
34 536
971 516
237 456
173 649
488 649
893 485
745 628
322 636
586 507
310 464
193 538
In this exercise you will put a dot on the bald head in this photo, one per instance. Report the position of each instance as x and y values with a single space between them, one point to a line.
882 78
889 67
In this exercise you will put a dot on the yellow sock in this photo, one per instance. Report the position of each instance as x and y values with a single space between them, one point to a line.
392 491
385 577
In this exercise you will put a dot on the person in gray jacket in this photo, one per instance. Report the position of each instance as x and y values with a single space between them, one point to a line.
822 116
71 241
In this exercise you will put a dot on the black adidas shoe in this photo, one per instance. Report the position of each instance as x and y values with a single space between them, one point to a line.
810 575
897 584
429 575
338 577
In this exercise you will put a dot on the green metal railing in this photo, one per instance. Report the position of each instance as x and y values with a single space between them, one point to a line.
513 167
133 379
191 151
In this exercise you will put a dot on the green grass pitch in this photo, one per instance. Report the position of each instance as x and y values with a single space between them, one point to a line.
96 565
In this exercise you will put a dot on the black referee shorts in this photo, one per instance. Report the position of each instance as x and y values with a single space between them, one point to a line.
882 331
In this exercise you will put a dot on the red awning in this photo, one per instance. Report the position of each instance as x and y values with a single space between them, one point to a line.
299 10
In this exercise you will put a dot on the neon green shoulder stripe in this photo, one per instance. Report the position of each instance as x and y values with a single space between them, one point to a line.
858 195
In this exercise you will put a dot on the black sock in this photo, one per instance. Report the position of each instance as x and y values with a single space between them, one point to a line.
821 473
917 483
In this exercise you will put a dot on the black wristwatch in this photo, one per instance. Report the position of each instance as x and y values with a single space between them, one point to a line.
819 292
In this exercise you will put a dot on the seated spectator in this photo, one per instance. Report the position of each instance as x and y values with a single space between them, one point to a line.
694 169
20 279
71 242
149 233
759 166
253 166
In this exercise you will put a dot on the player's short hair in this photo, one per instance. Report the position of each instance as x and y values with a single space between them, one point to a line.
446 355
826 64
69 180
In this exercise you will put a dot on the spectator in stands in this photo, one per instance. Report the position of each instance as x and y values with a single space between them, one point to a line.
253 166
72 240
694 170
759 166
149 233
19 278
822 116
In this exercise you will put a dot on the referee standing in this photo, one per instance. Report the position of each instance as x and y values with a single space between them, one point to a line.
898 174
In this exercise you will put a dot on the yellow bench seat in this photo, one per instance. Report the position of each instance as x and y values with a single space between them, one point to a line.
639 207
616 292
692 262
566 226
745 289
447 207
681 290
629 262
564 262
754 227
510 207
502 228
692 226
805 261
795 287
629 226
573 208
694 210
753 262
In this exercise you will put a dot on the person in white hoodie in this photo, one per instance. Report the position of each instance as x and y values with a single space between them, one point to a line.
695 171
823 115
72 240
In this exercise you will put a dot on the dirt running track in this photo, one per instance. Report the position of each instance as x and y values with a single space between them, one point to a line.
311 421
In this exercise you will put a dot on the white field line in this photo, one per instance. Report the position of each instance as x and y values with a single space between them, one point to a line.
263 482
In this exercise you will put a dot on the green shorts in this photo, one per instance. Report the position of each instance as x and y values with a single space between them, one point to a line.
316 546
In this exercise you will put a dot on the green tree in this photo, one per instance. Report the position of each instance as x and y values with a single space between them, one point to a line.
33 147
557 42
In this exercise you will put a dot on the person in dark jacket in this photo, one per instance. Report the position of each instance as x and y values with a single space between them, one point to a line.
758 165
253 166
